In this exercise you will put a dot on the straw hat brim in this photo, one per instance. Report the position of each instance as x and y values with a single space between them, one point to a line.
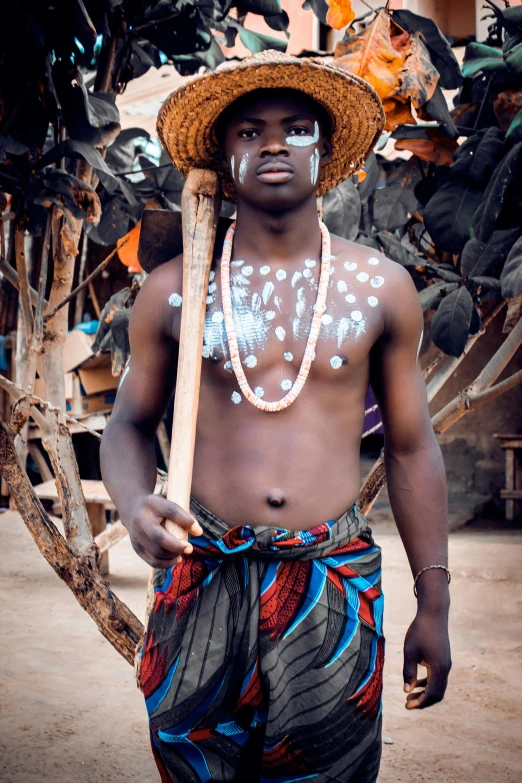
187 119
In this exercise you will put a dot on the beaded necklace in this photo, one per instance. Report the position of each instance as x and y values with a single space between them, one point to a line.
309 354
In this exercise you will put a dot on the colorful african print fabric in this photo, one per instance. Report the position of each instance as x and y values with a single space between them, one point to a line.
263 656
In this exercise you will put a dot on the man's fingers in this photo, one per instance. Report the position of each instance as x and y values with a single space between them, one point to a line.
156 562
434 689
168 510
164 543
409 672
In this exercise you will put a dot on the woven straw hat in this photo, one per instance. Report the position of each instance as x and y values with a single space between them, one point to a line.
186 121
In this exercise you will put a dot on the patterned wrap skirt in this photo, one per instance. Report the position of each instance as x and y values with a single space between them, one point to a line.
263 655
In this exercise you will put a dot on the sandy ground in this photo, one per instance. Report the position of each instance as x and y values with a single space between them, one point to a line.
70 711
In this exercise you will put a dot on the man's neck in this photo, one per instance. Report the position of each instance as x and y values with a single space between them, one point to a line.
281 236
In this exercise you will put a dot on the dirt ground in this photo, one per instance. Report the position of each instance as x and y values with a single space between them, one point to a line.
70 711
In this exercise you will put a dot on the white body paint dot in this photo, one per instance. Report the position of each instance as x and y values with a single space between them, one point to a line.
377 281
309 262
280 274
296 277
228 366
175 300
265 270
247 270
307 273
235 397
373 301
268 290
237 262
205 351
342 286
270 315
350 266
259 391
210 299
356 315
251 361
211 276
212 288
217 317
287 384
362 277
336 362
373 261
280 333
350 298
332 270
288 356
326 319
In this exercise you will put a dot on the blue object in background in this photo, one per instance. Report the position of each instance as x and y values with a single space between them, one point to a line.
3 354
89 327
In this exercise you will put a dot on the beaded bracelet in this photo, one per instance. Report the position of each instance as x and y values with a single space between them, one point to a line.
428 568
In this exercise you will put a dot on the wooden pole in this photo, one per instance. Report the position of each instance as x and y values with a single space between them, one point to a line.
200 206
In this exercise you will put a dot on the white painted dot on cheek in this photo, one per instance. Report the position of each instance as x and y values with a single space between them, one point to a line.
342 286
307 273
280 333
326 319
356 315
251 361
373 261
377 281
288 356
280 274
362 277
247 270
235 397
217 317
175 300
350 298
259 391
336 362
287 384
309 262
265 270
350 266
373 301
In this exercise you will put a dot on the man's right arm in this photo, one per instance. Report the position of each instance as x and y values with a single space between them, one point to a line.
128 458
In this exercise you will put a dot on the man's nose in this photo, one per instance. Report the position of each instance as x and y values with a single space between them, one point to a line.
275 144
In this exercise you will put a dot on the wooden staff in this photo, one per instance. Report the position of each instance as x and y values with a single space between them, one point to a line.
200 205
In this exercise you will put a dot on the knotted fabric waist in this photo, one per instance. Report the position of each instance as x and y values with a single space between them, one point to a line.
267 542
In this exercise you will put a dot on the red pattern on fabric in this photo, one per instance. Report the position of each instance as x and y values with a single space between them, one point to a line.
183 589
198 735
234 539
165 776
335 579
253 693
153 666
354 545
280 602
280 755
366 600
369 696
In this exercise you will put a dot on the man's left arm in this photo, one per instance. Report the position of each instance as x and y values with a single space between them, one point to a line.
416 485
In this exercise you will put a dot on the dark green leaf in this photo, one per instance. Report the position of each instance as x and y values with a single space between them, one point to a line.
489 209
367 186
72 148
511 277
437 108
114 222
362 239
431 296
479 257
513 59
440 270
258 42
512 19
394 202
480 58
121 154
476 321
451 323
514 133
449 213
441 53
319 7
491 283
397 252
478 156
342 210
8 146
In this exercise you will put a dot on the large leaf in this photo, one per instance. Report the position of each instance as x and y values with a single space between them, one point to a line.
479 257
477 157
89 117
436 108
76 196
121 154
71 148
449 213
114 222
502 193
397 252
258 42
514 133
431 296
367 186
451 323
434 148
340 14
480 58
394 201
342 210
319 7
440 51
511 277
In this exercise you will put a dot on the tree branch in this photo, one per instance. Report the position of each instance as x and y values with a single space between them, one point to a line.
23 282
115 621
11 275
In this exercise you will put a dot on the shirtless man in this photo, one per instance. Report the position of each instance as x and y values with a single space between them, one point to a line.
264 651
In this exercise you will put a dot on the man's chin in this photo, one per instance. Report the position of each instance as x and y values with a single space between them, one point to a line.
273 198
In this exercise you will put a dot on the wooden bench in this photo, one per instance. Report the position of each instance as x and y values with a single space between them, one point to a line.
97 500
512 445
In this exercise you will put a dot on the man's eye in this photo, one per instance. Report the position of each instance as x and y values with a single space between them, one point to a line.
299 132
249 133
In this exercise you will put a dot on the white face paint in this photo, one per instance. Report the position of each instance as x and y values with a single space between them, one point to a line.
175 300
126 370
211 276
306 140
418 348
314 167
212 288
217 317
243 166
232 166
356 315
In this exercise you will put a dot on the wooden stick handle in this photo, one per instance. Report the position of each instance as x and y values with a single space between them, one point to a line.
200 205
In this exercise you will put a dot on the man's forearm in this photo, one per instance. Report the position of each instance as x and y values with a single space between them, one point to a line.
128 464
418 497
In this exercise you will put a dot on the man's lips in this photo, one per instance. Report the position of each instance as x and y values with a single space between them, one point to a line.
274 173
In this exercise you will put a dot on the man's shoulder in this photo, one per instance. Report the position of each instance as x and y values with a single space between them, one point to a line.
347 252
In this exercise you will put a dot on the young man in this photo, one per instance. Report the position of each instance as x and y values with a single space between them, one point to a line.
264 651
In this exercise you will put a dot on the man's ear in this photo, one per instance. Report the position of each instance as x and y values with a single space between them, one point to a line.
327 152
